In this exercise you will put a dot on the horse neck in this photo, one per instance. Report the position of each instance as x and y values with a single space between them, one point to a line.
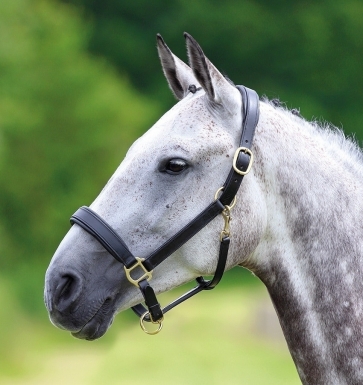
310 257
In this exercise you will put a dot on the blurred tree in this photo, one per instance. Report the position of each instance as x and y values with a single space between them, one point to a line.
66 120
306 52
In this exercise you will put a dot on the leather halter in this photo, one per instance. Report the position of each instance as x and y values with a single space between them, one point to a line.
113 243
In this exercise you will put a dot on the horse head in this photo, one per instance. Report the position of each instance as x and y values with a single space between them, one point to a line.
168 176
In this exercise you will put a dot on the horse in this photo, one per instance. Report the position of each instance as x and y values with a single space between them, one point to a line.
297 221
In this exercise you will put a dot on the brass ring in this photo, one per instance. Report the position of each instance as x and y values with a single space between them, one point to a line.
144 328
233 202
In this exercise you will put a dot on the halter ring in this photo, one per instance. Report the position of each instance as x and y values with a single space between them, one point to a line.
153 332
233 202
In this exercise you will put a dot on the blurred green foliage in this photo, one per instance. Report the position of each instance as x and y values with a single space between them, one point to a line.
80 80
194 347
66 121
306 52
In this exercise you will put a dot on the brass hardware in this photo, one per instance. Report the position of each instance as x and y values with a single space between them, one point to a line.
246 151
152 332
233 202
147 274
226 213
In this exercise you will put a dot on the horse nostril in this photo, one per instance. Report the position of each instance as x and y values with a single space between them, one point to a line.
66 287
67 291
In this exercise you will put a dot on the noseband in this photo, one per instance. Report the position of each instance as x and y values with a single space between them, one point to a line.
139 270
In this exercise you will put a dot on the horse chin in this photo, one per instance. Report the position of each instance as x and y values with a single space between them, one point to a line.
97 326
92 330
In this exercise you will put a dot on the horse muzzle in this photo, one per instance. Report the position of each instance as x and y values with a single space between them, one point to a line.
86 318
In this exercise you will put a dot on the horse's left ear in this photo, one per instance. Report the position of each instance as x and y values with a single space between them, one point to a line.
178 74
216 86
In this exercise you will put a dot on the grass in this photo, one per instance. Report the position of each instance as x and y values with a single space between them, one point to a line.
215 338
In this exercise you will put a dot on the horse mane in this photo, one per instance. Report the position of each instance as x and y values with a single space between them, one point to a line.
336 138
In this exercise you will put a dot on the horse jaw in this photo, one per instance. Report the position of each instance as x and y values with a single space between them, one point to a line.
85 286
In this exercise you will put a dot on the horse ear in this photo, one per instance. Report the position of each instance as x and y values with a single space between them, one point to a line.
178 74
216 86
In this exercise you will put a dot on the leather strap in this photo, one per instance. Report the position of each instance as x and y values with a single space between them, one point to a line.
202 284
186 233
230 188
251 115
98 228
153 306
113 243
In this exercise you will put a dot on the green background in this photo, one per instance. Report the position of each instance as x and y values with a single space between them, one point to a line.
80 80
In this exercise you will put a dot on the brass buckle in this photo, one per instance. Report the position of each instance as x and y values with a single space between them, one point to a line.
151 332
246 151
147 274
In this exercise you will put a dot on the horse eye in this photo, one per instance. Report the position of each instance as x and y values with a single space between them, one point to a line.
175 166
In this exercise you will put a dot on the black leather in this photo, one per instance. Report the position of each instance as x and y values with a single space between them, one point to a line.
251 113
150 301
176 241
113 243
98 228
202 283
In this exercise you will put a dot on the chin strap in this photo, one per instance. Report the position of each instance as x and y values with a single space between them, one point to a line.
139 270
